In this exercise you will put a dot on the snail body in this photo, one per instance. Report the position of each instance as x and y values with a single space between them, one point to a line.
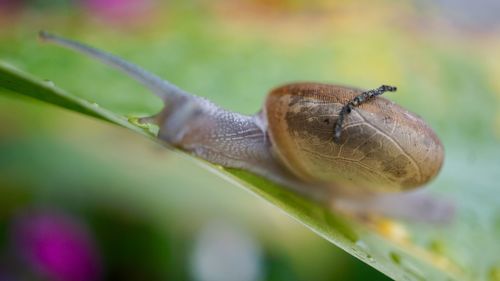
383 147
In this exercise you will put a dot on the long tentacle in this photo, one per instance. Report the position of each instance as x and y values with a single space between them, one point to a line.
165 90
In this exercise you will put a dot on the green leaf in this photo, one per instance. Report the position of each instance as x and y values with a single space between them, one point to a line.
401 251
17 82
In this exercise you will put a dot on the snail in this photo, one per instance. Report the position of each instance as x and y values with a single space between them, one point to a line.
316 138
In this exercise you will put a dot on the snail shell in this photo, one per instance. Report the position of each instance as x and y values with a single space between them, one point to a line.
383 146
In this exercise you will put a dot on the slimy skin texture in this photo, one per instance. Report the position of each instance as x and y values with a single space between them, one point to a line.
383 146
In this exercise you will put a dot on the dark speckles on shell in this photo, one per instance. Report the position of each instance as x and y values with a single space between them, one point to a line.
383 146
308 121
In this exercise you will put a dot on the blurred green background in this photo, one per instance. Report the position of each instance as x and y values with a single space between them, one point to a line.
84 200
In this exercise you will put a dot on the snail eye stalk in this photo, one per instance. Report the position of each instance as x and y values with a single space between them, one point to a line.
356 101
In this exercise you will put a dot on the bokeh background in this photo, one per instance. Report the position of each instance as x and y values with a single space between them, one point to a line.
84 200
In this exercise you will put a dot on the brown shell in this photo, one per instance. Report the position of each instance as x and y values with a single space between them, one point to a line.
383 146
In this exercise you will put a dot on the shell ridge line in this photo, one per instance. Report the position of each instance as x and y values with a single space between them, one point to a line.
395 143
353 161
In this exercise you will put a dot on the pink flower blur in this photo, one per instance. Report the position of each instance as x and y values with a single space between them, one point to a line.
56 246
119 10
